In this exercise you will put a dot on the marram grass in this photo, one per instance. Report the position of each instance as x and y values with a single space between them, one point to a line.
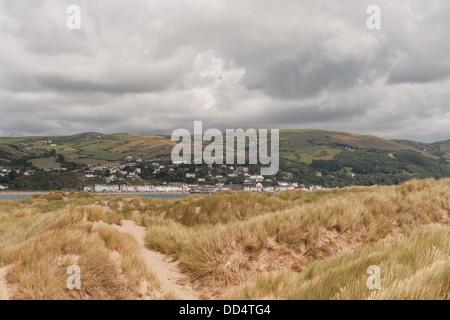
290 245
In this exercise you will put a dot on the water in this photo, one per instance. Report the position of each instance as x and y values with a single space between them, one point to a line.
13 196
154 195
147 195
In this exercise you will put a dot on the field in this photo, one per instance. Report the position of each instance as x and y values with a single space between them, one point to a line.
46 163
237 245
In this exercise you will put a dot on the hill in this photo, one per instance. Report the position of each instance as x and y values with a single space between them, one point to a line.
373 159
311 157
93 148
238 245
298 145
306 145
323 137
8 153
439 149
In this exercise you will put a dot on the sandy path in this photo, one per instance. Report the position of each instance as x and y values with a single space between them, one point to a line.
167 272
5 294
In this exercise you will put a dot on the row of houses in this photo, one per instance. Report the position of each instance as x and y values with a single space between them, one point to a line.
114 188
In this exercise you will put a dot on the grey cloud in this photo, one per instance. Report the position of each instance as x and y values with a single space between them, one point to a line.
307 75
419 70
152 66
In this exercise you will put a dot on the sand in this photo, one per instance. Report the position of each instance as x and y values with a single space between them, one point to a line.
167 272
5 293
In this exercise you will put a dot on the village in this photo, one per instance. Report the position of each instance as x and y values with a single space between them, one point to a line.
213 178
134 175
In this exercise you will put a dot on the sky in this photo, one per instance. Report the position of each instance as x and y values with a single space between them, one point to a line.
150 66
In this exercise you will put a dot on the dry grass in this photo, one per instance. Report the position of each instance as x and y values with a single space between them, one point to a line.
291 245
225 255
41 245
412 267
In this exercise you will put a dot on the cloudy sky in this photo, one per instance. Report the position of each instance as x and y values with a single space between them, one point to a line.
150 66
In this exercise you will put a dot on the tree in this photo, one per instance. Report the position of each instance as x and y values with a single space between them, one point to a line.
12 175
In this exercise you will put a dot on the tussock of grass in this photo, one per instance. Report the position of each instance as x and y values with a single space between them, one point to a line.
131 262
412 267
81 195
54 196
41 245
39 267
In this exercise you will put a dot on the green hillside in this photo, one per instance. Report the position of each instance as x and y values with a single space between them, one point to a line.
88 148
438 149
308 145
295 145
314 137
444 147
8 153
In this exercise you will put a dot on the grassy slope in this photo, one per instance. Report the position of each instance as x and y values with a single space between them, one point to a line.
412 267
444 147
296 145
96 148
41 236
306 145
8 153
46 162
431 148
287 246
322 136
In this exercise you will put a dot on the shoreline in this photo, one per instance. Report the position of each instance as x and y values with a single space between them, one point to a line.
136 193
18 193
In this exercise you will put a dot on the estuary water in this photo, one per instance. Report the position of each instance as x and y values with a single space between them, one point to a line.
147 195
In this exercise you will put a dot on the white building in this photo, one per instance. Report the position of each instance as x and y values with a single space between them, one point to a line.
106 188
